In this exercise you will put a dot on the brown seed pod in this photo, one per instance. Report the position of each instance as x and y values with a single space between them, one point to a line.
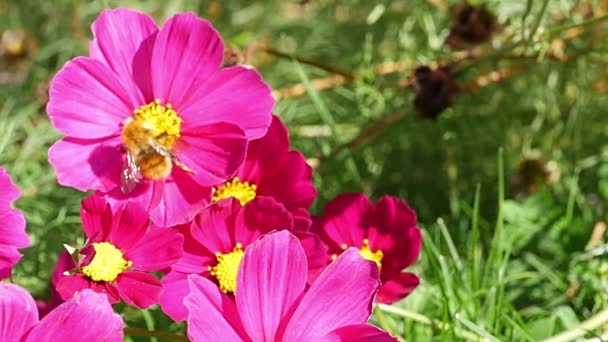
532 171
471 26
435 90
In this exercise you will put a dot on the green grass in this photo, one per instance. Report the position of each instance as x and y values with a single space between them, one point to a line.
497 265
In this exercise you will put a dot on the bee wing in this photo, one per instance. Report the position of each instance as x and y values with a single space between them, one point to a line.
130 174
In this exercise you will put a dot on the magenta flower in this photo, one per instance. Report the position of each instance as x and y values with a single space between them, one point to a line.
150 116
272 303
385 233
86 317
271 169
121 251
64 264
12 226
214 244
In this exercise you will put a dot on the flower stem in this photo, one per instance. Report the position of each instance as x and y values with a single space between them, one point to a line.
582 329
153 333
428 321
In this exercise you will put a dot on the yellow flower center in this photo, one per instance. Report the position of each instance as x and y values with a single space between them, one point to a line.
160 119
227 268
367 253
107 263
242 191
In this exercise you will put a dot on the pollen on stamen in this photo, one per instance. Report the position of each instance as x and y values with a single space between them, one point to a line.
162 119
244 192
107 264
227 267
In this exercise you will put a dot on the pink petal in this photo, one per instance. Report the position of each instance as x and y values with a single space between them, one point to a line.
342 220
129 224
187 50
87 164
8 258
212 227
316 253
258 217
182 198
10 191
12 229
96 215
359 333
87 100
174 290
18 312
138 289
235 95
213 151
271 277
342 295
196 257
86 317
289 181
158 249
123 42
69 285
397 288
405 251
212 316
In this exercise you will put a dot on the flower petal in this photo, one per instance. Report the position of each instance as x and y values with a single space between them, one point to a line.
18 312
187 50
123 41
130 223
87 164
138 288
157 250
235 95
397 287
342 295
213 151
12 229
271 277
212 229
289 181
86 317
10 192
212 316
316 253
342 220
86 100
69 285
258 217
182 198
174 290
8 258
359 333
96 215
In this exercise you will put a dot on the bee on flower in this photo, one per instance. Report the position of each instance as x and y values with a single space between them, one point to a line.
151 117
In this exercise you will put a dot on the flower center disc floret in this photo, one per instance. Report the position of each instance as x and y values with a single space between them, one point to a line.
108 262
242 191
366 252
227 268
152 124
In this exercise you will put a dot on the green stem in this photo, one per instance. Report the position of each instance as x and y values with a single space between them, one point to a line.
152 333
565 27
539 19
428 321
582 329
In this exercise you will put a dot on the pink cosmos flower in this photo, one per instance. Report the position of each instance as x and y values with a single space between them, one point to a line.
271 169
150 116
64 264
272 303
385 233
12 226
121 251
215 243
86 317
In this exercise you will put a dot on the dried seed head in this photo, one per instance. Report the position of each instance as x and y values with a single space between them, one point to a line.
471 26
435 90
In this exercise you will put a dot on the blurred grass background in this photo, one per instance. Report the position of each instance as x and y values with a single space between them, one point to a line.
512 251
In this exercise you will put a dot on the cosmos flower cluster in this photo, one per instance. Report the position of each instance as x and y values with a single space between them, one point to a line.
199 204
